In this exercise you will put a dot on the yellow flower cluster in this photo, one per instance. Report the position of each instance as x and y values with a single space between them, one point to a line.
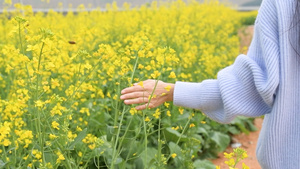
235 157
92 141
61 74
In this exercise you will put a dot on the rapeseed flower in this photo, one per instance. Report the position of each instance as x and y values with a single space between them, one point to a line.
70 75
157 113
173 155
55 125
60 157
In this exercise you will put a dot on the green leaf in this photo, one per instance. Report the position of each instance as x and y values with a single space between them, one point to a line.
243 122
233 130
204 164
222 140
202 130
2 164
78 139
174 148
148 157
174 135
110 132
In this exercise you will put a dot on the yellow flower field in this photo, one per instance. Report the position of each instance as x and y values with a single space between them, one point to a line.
61 77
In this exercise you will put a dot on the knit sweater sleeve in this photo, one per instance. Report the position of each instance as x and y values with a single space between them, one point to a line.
247 87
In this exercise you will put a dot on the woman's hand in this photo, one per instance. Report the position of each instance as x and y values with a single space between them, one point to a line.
149 93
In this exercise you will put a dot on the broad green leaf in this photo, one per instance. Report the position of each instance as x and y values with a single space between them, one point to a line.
174 148
2 164
174 135
222 140
110 131
204 164
202 130
233 130
148 157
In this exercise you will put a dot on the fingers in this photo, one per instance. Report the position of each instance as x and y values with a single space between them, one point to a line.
134 95
139 94
135 88
144 106
137 100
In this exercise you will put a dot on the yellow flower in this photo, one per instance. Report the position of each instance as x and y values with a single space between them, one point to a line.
169 113
155 74
228 156
39 103
92 146
54 83
157 113
168 88
55 125
245 155
60 157
147 119
192 125
173 155
163 94
180 110
175 128
46 88
172 75
231 162
80 154
167 104
141 83
6 142
244 166
88 66
132 111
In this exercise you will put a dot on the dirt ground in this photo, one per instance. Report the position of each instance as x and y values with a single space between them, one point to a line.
248 142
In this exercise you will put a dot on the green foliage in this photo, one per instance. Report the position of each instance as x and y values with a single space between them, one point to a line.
61 78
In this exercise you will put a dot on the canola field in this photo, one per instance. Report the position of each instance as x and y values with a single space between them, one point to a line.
61 77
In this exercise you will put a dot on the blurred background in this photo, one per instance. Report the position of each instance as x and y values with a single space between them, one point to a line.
65 5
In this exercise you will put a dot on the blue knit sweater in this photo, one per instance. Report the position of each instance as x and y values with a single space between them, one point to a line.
265 82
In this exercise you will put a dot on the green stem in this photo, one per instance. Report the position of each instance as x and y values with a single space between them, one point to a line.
134 68
38 123
180 136
116 140
20 38
115 153
144 124
159 144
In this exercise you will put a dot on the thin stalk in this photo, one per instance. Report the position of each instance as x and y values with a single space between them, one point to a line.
159 144
20 38
134 68
4 152
180 135
38 124
122 139
144 124
115 141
